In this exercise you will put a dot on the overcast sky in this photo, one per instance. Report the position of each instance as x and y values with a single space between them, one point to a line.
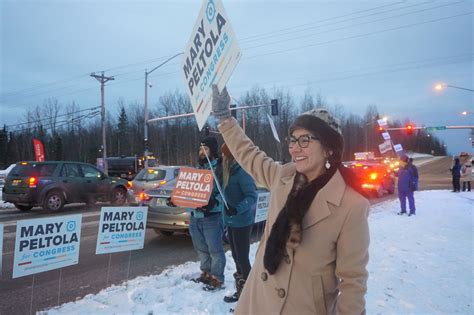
353 53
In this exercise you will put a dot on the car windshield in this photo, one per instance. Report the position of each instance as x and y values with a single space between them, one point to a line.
151 174
33 170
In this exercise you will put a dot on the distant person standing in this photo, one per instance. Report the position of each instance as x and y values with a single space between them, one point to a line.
406 186
239 215
456 173
466 171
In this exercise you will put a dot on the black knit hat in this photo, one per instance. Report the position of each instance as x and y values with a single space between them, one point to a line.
324 126
211 143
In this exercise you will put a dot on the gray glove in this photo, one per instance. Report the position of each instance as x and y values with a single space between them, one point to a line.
220 103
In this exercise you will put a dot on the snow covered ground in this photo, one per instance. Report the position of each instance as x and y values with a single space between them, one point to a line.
418 265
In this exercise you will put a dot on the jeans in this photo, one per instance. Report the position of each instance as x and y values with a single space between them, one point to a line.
239 240
403 195
466 184
456 183
206 234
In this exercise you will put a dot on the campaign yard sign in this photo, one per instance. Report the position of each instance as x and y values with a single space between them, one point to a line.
193 187
386 136
209 58
263 201
385 146
46 244
121 229
398 148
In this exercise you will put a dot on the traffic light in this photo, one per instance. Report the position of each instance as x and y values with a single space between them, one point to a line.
380 129
233 112
409 129
274 107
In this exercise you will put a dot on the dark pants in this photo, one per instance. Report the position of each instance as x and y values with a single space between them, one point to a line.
403 195
464 184
456 183
239 240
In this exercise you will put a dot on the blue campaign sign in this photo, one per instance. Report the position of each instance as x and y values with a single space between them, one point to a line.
46 244
121 229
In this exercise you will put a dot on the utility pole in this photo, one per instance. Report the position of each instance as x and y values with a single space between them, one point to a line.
102 80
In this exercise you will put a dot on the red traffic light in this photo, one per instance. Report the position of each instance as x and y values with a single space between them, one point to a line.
380 129
409 129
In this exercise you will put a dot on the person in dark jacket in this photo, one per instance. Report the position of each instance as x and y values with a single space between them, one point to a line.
456 173
206 225
415 173
406 186
239 215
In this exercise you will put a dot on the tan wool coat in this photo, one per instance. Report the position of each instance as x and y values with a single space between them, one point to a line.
326 273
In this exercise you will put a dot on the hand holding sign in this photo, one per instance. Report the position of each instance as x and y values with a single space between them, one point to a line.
220 103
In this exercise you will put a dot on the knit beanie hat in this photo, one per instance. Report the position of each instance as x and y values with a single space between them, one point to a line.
211 143
324 126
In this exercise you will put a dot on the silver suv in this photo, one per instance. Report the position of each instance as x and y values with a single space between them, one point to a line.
163 177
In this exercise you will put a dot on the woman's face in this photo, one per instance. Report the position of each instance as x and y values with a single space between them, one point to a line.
310 160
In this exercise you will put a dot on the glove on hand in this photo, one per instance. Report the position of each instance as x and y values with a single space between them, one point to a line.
213 202
230 211
220 103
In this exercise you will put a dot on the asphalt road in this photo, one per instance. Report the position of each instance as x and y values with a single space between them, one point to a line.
96 272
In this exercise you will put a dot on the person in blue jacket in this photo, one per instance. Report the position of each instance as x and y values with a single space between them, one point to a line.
406 186
239 215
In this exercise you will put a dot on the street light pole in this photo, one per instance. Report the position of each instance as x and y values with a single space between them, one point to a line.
145 131
441 86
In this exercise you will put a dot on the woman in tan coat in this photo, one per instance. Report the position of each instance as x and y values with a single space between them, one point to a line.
313 255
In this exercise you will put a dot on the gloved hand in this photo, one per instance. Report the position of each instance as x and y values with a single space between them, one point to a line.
213 202
220 103
169 203
230 211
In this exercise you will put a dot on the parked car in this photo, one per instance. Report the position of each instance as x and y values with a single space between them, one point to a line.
53 184
163 177
166 220
374 177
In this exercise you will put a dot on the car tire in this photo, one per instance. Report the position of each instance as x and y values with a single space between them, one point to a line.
119 196
54 201
23 207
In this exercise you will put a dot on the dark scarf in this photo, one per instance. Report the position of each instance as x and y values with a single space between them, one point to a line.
288 225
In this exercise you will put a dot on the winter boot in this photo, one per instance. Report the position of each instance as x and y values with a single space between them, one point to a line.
205 278
213 285
239 286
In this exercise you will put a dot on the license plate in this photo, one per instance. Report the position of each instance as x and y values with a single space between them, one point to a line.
15 182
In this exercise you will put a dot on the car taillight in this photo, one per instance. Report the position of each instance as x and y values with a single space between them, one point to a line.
373 176
32 182
162 182
144 197
130 184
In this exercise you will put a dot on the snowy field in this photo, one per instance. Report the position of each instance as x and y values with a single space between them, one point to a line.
418 265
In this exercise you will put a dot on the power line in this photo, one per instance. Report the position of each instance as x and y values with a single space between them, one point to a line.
68 114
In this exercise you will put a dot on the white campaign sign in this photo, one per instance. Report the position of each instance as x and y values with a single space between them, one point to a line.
386 136
274 131
121 229
398 147
1 247
46 244
210 57
382 123
385 146
263 201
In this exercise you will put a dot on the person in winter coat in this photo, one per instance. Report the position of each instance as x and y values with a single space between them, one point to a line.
206 226
456 173
466 171
239 215
415 173
313 254
407 182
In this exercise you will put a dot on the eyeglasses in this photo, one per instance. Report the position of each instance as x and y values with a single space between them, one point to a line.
303 141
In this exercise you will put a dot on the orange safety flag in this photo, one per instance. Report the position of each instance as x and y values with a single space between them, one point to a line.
193 188
39 150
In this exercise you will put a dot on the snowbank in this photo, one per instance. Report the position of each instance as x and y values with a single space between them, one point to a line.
418 265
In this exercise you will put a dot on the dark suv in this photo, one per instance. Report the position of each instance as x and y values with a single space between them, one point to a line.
53 184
